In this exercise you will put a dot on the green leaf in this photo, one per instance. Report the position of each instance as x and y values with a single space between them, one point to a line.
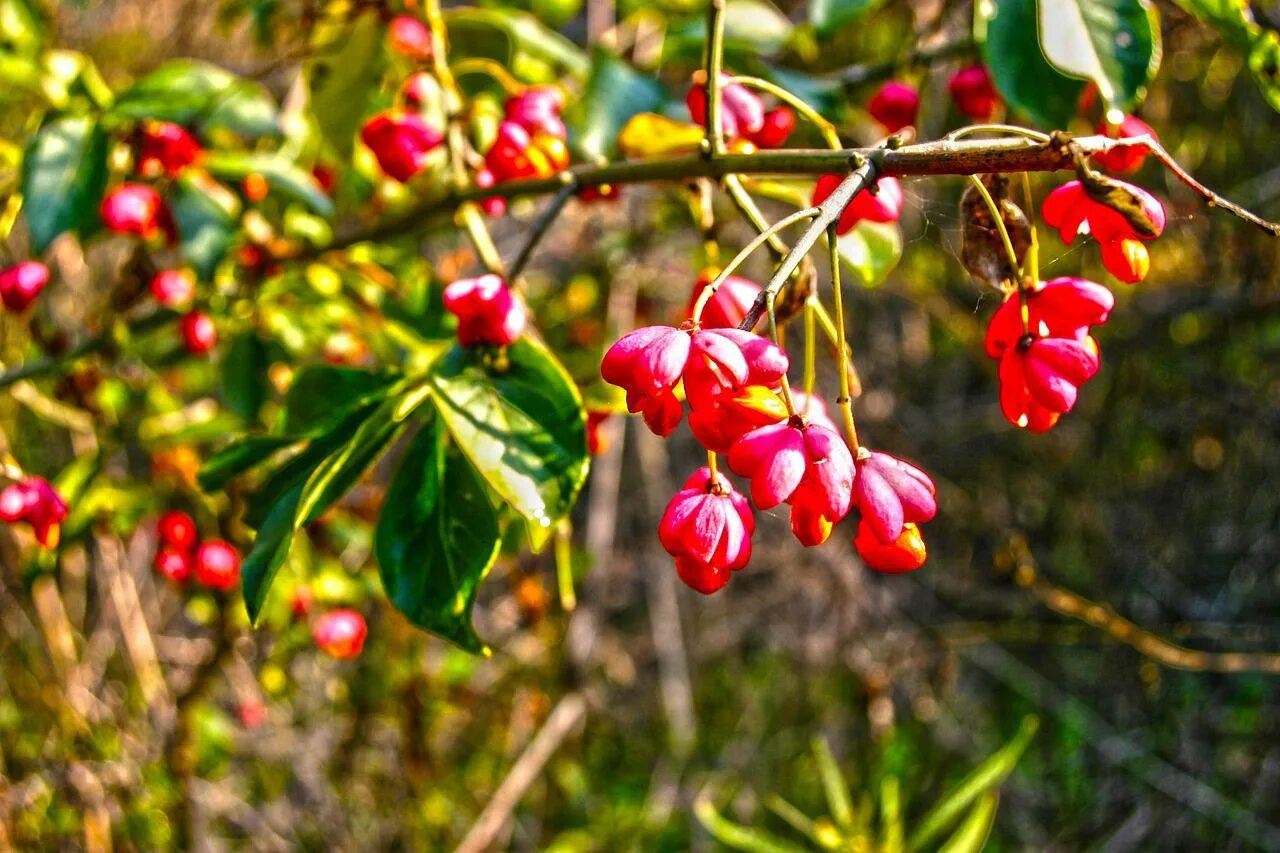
827 16
987 776
322 395
206 222
342 77
735 835
1264 62
1113 43
64 173
284 176
298 468
335 476
22 28
244 375
751 27
614 93
472 32
436 538
270 548
973 833
522 427
871 250
198 94
243 453
1021 72
1232 18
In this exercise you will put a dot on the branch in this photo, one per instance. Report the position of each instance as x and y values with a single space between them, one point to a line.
828 212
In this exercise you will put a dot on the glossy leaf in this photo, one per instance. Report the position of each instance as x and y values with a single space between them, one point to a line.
436 538
270 548
321 395
1022 74
242 454
335 476
64 174
614 93
198 94
475 32
871 250
1113 43
522 427
283 176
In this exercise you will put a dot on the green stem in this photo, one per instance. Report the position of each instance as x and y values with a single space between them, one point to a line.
817 119
845 400
714 67
738 259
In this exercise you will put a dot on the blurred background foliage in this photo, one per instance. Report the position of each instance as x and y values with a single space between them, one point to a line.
1156 498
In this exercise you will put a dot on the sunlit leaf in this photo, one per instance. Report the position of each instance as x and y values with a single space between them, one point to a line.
1115 44
64 173
198 94
871 250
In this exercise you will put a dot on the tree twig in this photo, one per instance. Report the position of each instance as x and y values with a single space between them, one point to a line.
540 227
563 719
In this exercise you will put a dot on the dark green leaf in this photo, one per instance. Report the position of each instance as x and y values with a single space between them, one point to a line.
1113 43
197 94
322 394
239 456
615 92
334 477
269 550
283 176
1021 73
244 375
343 76
206 225
522 427
436 538
827 16
64 173
297 469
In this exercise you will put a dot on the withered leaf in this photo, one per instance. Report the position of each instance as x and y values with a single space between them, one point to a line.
1117 196
983 253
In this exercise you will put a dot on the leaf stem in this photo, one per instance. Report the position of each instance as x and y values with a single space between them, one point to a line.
845 400
738 259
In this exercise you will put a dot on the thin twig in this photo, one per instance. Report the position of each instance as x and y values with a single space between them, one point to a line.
828 212
540 228
563 719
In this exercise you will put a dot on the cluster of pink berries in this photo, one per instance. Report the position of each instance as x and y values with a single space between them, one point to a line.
745 122
214 563
34 502
732 381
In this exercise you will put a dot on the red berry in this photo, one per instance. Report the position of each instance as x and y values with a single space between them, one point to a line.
649 362
177 530
420 91
727 416
173 288
890 492
252 713
488 312
805 465
597 443
340 633
1040 379
21 283
326 176
401 142
410 37
138 209
728 306
741 110
905 554
974 92
895 105
173 564
217 565
1128 159
300 602
537 110
165 148
884 205
199 334
36 503
1072 210
779 123
707 527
